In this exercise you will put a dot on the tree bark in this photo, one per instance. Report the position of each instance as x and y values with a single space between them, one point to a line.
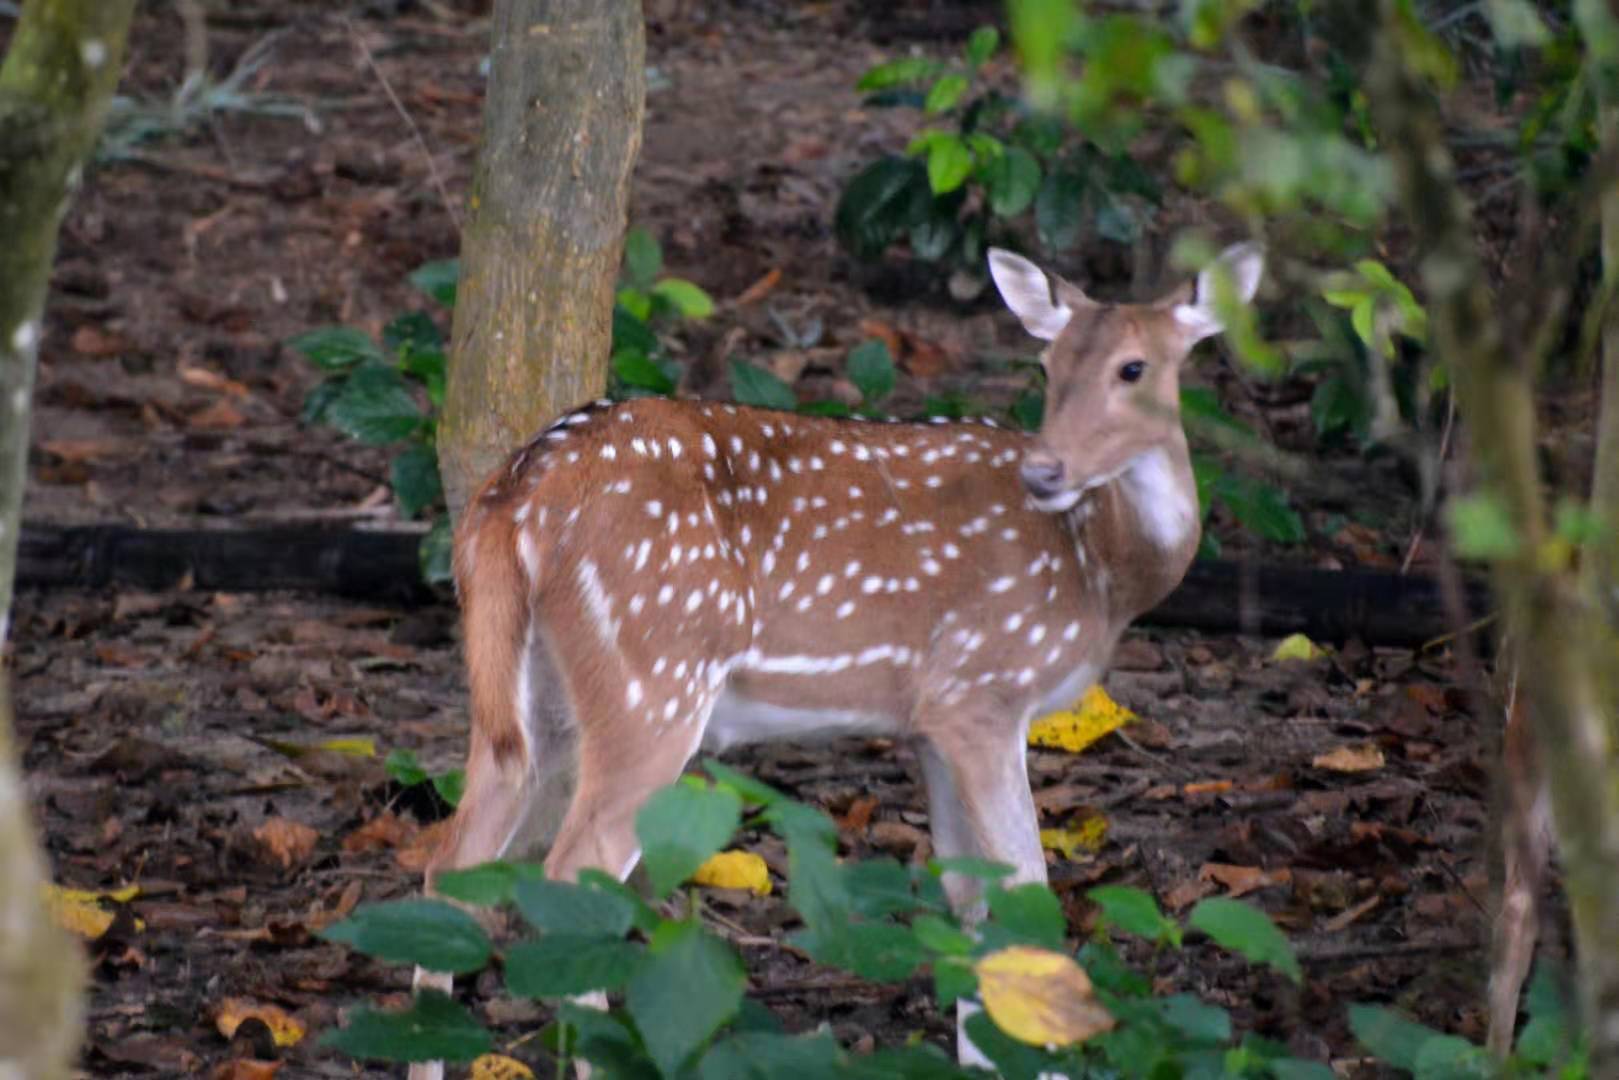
1561 643
60 71
540 256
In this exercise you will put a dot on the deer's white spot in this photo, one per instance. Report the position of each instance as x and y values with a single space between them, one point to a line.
633 693
786 590
855 493
824 586
835 447
861 453
26 336
1001 584
93 53
637 602
845 609
528 553
659 664
951 551
708 445
674 447
1025 677
889 516
767 431
694 600
1013 621
520 515
775 472
912 585
666 594
654 508
1070 632
753 460
794 465
931 567
769 563
804 603
871 585
819 533
817 464
736 445
802 562
852 569
1037 633
1008 534
670 709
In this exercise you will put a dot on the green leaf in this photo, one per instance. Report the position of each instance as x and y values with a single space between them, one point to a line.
1337 405
950 162
428 933
415 479
1248 932
643 258
410 331
940 936
944 93
1135 912
686 297
1013 1060
752 385
451 785
631 332
952 979
638 302
438 279
403 768
1451 1057
1029 409
319 400
1031 912
880 204
1198 1021
817 886
434 551
981 45
486 884
1481 528
433 1028
1389 1036
882 951
680 827
636 369
970 866
375 407
1059 209
829 407
758 1055
336 348
898 72
1260 508
558 965
1362 318
1203 406
879 887
871 369
561 907
689 985
1115 221
429 364
750 790
1011 181
1298 1069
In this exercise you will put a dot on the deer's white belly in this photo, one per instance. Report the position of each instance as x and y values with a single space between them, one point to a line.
1065 693
737 720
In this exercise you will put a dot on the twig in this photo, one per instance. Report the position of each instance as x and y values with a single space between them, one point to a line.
1422 524
410 122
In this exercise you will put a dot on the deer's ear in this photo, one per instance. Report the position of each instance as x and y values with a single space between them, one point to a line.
1028 290
1240 268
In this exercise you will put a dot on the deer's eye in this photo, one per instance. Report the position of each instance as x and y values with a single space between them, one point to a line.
1132 370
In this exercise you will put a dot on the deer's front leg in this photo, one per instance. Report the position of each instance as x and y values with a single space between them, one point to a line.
979 804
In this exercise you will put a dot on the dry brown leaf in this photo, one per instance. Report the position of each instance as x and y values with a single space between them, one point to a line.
287 842
1344 918
1187 893
859 814
220 416
208 379
80 451
760 289
386 830
93 341
1242 880
413 854
1207 787
117 654
1351 758
246 1069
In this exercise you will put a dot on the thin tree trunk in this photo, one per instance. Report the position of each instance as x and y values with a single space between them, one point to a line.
57 77
1562 644
540 256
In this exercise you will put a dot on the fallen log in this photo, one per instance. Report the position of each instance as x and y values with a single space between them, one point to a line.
1218 596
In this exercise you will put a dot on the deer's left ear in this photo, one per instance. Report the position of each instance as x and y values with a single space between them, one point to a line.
1240 267
1027 290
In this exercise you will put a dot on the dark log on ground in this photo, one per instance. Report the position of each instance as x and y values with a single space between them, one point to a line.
1217 597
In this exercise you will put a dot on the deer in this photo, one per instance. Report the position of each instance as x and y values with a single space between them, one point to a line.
650 578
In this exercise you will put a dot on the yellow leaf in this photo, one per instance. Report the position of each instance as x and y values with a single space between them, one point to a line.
1040 997
79 911
1362 758
500 1067
1084 838
1075 729
735 870
285 1030
1297 647
357 746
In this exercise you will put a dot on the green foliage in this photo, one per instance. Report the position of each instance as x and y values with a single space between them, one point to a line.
649 304
684 1012
977 168
405 770
871 369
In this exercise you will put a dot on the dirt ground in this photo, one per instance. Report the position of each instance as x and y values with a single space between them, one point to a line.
160 732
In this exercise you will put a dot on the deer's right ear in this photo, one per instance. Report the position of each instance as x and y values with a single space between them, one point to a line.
1027 290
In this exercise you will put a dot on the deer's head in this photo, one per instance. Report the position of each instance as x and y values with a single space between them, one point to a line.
1112 370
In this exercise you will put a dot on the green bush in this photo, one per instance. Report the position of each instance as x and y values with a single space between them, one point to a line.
683 1009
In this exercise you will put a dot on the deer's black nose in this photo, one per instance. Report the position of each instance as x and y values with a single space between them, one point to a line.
1042 475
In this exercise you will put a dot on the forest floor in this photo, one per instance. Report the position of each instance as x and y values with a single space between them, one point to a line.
155 727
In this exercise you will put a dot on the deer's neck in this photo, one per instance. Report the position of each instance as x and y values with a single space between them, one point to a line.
1146 522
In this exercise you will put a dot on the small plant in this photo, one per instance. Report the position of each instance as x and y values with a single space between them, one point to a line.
684 1012
649 300
388 393
982 164
404 769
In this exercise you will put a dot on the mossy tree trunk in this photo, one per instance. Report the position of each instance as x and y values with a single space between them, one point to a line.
57 78
1559 615
540 255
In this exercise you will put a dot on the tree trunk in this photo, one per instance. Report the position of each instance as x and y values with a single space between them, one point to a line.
1562 643
540 256
57 77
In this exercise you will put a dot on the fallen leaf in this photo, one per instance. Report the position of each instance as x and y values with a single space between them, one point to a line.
1040 997
1207 787
1242 880
358 746
220 416
246 1069
760 289
79 911
1083 836
859 814
499 1067
1344 918
1187 893
1075 729
117 654
288 842
284 1028
1351 758
92 341
412 856
735 870
898 838
386 830
1297 647
79 451
207 379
